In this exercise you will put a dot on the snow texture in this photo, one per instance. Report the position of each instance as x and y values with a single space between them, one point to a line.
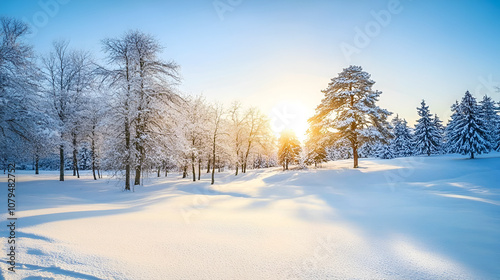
408 218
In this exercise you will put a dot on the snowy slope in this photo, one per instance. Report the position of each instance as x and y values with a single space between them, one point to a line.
432 217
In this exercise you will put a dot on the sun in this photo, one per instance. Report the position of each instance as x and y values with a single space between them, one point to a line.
289 115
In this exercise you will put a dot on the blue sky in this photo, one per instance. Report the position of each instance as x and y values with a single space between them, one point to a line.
279 55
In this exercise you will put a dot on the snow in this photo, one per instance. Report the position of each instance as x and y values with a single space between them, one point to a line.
434 217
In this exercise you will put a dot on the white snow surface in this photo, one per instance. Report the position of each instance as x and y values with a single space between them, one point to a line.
423 217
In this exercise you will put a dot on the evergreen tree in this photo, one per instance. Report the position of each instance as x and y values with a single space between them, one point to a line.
491 120
427 137
401 145
467 131
289 148
384 151
349 108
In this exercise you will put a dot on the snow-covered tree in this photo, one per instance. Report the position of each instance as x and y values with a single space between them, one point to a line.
288 148
196 132
489 114
256 129
67 76
144 92
467 131
384 151
18 88
216 126
401 144
237 122
316 143
427 137
349 107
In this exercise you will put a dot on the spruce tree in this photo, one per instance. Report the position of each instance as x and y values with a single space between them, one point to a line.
467 132
349 108
427 136
491 120
401 145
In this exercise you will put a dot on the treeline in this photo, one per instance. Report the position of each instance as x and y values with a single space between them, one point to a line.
124 114
349 124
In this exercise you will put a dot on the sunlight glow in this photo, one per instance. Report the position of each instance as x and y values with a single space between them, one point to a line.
289 115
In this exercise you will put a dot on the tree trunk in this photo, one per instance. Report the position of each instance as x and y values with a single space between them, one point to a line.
184 171
75 157
159 169
61 163
208 165
98 174
218 164
92 146
127 150
472 155
353 129
236 174
37 158
192 166
213 163
137 179
199 169
355 155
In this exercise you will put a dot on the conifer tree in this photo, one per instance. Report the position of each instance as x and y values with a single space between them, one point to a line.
289 148
401 145
349 108
427 137
491 120
467 131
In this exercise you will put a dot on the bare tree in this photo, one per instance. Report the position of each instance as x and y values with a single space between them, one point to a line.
217 114
18 86
144 86
67 75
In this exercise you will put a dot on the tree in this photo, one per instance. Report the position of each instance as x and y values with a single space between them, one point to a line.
288 148
467 132
216 125
316 144
18 87
427 137
257 127
67 75
349 108
491 119
144 92
401 144
196 133
237 129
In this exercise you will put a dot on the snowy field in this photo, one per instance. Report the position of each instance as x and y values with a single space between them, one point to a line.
407 218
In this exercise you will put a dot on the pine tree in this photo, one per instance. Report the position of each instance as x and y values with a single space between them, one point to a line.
491 120
384 151
427 137
349 107
467 132
401 145
289 148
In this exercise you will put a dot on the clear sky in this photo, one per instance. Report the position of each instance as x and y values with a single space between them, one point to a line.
279 55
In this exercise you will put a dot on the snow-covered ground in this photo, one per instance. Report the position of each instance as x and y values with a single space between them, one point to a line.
432 217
